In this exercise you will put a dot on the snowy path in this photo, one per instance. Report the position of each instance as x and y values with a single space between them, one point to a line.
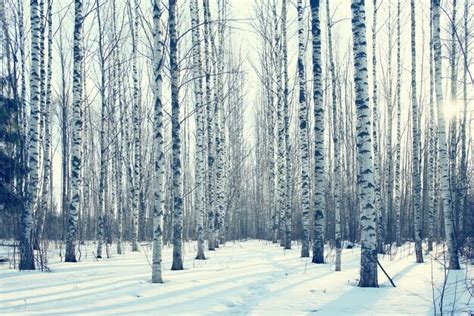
252 277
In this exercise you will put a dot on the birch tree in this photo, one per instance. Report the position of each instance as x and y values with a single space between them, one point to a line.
453 139
46 192
442 144
176 141
399 133
76 135
303 131
375 132
432 143
368 267
199 113
26 246
335 139
287 215
416 142
103 138
319 150
159 161
463 165
210 127
136 128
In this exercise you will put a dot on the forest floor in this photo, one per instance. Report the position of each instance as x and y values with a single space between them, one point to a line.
251 277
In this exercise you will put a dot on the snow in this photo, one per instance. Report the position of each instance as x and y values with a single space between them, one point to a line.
243 278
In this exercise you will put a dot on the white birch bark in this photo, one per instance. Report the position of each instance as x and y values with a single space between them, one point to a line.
368 268
279 209
416 166
453 139
210 128
463 165
389 206
431 145
26 245
76 145
375 132
46 192
303 131
176 142
442 144
319 150
199 113
399 133
288 214
159 156
102 139
335 139
136 129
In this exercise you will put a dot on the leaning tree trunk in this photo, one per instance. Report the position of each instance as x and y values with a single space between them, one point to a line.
368 268
159 155
416 143
176 142
303 132
199 167
442 144
76 145
319 153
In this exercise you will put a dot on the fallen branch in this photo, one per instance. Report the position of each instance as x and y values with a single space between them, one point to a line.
386 274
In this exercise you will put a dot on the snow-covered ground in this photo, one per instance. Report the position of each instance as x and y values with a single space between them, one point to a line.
252 277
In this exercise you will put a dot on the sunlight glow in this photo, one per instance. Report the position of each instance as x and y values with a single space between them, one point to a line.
452 109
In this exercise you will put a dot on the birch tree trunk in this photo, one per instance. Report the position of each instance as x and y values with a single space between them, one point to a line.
335 139
210 128
76 145
464 151
102 140
431 144
176 142
287 219
118 85
279 209
136 130
375 132
199 165
27 261
368 268
453 140
399 133
389 209
319 150
221 143
47 189
416 143
442 144
159 156
303 131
